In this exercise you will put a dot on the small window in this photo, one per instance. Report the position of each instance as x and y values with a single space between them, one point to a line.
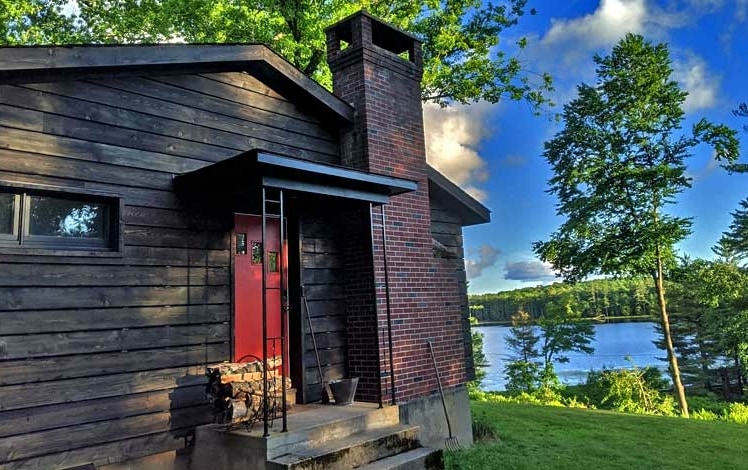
272 261
57 221
241 243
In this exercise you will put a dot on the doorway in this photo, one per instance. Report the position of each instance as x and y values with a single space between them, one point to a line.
248 287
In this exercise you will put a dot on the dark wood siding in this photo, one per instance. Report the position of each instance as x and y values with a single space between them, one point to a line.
102 357
324 284
447 230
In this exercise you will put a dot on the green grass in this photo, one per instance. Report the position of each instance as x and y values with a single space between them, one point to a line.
540 437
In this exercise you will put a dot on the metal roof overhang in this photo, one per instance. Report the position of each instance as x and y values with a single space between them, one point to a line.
257 168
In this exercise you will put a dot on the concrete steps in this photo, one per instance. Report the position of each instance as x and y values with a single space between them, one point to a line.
319 438
329 423
422 458
352 451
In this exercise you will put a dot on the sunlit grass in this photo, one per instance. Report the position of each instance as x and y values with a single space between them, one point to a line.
540 437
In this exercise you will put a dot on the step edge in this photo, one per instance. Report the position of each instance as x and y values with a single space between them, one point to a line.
393 461
374 435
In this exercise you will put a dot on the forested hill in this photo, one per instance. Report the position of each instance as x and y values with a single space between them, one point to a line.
602 297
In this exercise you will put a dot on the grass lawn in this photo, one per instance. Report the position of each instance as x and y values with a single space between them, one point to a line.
540 437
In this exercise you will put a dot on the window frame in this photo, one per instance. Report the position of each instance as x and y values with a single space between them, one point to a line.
22 242
10 237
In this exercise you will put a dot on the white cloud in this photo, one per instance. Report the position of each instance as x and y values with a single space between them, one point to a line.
568 46
529 271
487 256
693 76
611 21
453 135
741 10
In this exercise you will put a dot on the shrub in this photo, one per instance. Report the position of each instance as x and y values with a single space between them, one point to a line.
736 413
629 390
704 415
483 429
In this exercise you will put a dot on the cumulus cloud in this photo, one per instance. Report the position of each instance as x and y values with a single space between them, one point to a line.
453 135
566 49
611 20
528 271
486 257
701 85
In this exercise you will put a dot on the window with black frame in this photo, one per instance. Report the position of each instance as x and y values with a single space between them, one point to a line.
56 221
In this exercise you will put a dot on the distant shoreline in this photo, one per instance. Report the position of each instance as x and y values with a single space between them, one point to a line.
628 319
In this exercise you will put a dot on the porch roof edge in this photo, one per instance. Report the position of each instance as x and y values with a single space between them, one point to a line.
299 175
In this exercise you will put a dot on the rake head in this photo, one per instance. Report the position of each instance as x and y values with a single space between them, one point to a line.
451 443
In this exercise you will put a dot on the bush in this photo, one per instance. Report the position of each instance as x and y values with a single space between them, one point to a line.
483 429
704 415
736 413
629 390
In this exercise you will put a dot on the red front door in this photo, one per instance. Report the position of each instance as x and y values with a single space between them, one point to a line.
248 251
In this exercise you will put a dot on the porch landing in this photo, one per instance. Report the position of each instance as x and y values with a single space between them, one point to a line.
319 437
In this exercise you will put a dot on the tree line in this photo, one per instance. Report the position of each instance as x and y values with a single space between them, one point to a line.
598 299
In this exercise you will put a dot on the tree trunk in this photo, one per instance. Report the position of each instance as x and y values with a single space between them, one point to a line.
680 393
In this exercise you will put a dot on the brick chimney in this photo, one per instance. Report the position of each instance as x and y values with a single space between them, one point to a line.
377 68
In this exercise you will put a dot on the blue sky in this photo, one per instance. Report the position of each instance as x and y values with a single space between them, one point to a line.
495 151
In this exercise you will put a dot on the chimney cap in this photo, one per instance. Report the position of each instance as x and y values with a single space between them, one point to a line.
384 34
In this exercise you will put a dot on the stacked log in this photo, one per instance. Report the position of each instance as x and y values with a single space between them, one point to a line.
236 389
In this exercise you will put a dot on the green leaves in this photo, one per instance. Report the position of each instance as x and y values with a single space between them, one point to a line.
620 162
736 239
463 59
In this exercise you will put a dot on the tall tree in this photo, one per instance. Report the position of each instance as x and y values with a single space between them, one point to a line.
619 162
736 239
464 60
564 330
523 368
710 316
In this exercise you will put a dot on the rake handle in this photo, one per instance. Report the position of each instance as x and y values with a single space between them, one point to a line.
441 390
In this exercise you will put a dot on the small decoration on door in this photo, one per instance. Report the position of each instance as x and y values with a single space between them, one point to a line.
256 252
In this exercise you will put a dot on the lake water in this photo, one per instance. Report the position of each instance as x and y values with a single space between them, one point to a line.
612 343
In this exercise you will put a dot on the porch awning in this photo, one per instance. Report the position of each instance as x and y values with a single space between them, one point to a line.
255 168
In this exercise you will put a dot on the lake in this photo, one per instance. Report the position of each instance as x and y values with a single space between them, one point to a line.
612 343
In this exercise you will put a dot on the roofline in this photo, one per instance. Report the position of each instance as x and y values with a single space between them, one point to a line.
471 211
24 64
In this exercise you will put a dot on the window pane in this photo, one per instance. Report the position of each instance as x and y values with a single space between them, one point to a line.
6 212
53 217
241 243
273 261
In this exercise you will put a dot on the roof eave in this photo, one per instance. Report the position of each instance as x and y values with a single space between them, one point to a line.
50 63
466 207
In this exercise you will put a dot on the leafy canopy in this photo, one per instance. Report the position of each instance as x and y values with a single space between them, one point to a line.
463 58
620 161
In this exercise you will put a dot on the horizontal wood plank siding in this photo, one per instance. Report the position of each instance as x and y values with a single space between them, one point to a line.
446 228
102 357
323 279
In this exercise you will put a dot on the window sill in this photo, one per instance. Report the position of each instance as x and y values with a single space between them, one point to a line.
92 253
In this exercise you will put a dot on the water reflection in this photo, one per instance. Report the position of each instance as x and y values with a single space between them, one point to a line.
613 343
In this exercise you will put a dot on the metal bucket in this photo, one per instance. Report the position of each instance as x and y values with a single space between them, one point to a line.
344 390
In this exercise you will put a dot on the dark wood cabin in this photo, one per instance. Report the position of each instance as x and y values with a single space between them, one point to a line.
125 173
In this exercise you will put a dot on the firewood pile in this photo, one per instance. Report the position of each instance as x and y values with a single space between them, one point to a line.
235 390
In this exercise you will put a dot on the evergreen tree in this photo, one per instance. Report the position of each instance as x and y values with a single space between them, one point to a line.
523 367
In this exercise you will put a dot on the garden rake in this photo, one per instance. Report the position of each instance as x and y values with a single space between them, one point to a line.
451 442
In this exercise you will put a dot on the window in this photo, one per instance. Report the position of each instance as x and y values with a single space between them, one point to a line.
56 221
